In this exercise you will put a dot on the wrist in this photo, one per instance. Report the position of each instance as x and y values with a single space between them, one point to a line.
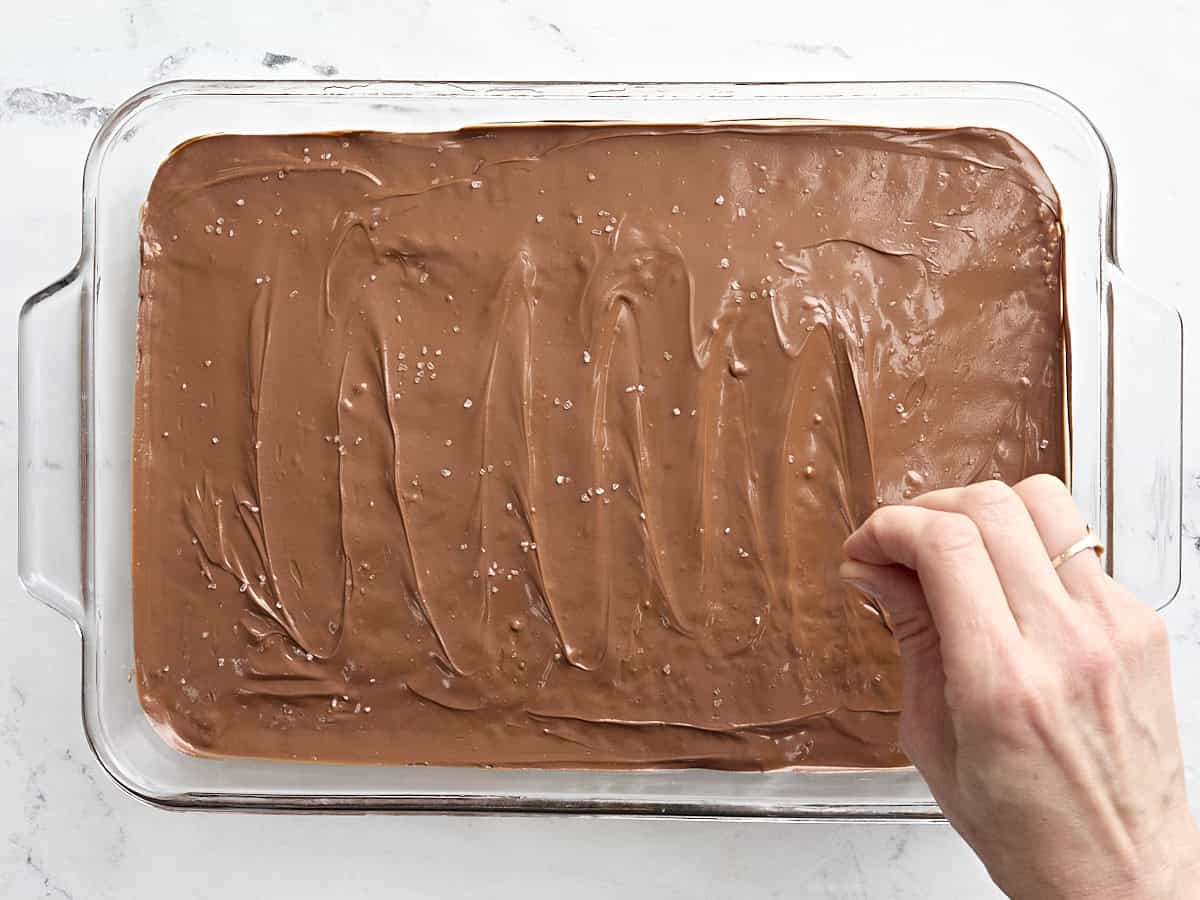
1187 869
1174 874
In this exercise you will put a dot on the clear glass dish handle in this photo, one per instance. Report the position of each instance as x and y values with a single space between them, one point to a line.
49 453
1146 414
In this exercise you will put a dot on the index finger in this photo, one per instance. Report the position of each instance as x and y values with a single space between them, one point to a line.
967 604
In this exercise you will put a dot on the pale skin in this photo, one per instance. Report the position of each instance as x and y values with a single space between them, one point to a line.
1037 701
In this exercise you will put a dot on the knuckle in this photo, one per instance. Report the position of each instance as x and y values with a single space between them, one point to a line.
1092 658
949 533
993 501
1042 491
1023 703
889 527
992 492
873 522
1015 702
1135 630
886 518
1042 484
1142 631
1154 633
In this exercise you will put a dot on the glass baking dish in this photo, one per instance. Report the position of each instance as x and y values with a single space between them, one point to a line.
77 352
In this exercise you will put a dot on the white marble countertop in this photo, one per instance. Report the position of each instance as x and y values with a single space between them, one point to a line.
67 831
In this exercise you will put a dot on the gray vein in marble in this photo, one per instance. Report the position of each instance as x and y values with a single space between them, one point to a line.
169 63
861 879
87 770
275 60
272 60
899 845
808 49
40 802
54 107
35 806
9 729
1190 533
556 34
49 887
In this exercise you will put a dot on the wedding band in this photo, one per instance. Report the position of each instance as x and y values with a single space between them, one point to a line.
1089 541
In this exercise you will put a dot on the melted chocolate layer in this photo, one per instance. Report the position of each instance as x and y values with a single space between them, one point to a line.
535 446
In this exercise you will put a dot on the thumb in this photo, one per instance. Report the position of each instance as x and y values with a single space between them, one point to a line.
925 731
898 592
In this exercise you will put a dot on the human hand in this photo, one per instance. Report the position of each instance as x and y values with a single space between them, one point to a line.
1037 701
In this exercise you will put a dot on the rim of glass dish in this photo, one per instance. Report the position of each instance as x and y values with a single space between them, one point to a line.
510 804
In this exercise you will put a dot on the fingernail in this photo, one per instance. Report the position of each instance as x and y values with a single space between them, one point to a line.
862 587
851 573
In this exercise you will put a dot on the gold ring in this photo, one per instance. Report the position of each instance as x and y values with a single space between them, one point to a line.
1089 541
